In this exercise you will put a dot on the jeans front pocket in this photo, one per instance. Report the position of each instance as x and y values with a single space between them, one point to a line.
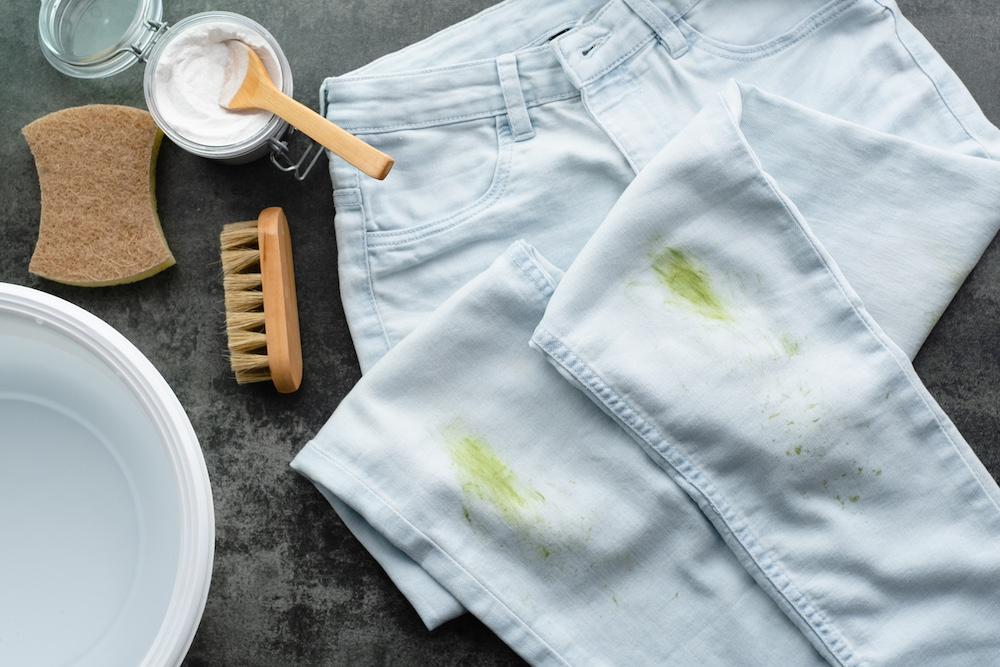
444 175
748 30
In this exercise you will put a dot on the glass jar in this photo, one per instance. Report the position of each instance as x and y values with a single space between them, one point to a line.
247 149
91 39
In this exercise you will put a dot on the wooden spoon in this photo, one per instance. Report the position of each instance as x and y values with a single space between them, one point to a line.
249 86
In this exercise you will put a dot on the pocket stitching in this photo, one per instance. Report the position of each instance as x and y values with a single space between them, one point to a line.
369 274
806 27
498 184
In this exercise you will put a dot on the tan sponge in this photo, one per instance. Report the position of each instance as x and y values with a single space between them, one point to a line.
96 167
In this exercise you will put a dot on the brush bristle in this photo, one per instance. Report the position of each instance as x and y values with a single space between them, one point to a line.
244 302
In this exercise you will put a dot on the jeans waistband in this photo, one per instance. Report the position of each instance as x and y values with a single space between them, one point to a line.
548 57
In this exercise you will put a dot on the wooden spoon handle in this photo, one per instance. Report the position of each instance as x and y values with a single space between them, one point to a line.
368 159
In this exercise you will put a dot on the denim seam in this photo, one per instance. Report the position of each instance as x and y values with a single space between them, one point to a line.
547 34
442 551
365 246
931 79
609 127
349 198
634 420
498 186
664 27
681 13
445 31
540 280
435 69
600 14
628 54
594 46
853 303
446 120
513 97
811 24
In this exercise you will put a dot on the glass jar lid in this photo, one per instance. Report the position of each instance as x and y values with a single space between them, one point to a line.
90 39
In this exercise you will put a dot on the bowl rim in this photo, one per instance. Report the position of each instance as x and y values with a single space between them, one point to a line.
197 525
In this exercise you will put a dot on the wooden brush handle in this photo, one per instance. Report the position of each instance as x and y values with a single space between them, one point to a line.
281 312
370 160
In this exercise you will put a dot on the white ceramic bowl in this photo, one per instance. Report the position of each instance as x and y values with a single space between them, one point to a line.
106 523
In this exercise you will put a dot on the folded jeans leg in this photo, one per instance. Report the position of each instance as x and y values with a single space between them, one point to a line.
469 453
755 343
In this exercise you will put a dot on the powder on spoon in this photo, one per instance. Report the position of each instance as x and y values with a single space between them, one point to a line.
191 73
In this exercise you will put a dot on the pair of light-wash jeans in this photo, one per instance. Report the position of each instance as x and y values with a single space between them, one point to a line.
716 420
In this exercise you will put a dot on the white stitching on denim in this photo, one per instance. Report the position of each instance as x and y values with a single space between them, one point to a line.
425 71
513 96
854 303
931 79
809 25
631 52
434 122
665 28
496 190
532 271
681 13
547 35
370 277
452 28
634 420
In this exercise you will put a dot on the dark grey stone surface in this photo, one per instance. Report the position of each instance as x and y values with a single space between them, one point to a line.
291 586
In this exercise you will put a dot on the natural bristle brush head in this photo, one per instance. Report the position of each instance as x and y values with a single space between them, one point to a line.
262 319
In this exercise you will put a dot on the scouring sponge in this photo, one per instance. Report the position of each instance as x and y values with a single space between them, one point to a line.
96 168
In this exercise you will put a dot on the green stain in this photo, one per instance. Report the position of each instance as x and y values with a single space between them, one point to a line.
465 513
790 346
485 476
878 472
544 551
682 277
854 499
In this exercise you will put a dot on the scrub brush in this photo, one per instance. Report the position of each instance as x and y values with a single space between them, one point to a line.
262 319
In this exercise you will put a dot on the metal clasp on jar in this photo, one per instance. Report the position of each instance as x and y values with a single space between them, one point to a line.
281 156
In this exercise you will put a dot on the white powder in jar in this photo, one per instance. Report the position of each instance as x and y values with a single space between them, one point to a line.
190 74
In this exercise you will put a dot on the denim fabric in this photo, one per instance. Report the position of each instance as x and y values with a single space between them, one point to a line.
711 318
530 119
788 459
534 509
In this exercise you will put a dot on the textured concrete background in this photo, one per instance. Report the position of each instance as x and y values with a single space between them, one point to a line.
291 586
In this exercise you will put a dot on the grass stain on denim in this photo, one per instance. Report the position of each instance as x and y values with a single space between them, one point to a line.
790 346
687 281
488 478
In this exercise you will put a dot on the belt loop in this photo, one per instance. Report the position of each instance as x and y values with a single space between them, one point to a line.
662 25
513 97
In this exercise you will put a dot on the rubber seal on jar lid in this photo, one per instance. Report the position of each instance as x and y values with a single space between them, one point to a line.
91 39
